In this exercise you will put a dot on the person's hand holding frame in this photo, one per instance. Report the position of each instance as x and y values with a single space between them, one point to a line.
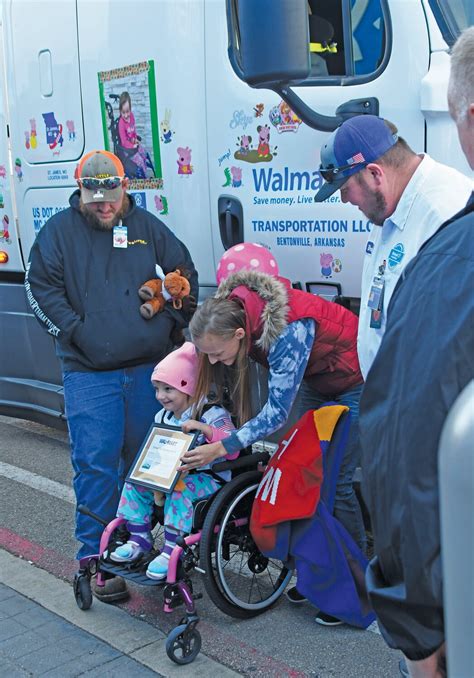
157 465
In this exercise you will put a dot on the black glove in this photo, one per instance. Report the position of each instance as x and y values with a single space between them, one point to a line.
177 336
189 306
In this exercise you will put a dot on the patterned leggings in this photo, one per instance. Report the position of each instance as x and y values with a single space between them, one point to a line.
136 502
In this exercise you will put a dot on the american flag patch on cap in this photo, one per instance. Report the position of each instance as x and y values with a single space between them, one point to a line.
358 157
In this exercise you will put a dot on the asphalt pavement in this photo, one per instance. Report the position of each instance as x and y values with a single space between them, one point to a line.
37 566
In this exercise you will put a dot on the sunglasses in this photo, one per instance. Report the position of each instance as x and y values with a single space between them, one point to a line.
106 184
330 174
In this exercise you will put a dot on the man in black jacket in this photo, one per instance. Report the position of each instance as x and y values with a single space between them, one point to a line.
425 360
82 282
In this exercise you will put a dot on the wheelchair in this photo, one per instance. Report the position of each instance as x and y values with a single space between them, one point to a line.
238 578
132 171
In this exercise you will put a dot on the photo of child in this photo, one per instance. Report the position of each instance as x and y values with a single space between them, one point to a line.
129 139
130 123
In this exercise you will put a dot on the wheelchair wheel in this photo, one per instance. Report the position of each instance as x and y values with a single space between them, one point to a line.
82 591
183 644
239 579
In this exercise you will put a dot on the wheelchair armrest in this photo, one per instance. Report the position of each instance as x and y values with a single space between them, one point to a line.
250 460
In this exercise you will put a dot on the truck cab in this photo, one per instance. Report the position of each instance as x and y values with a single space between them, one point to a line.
232 101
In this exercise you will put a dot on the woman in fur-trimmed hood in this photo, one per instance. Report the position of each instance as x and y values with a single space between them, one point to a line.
304 341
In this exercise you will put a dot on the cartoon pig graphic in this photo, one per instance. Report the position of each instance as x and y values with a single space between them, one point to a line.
326 261
184 160
236 176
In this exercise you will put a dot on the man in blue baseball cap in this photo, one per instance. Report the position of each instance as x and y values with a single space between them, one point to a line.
407 195
356 143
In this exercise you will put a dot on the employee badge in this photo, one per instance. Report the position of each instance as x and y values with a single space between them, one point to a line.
375 302
120 236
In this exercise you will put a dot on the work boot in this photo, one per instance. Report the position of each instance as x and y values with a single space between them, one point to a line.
113 591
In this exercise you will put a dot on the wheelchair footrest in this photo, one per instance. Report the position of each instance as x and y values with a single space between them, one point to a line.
136 576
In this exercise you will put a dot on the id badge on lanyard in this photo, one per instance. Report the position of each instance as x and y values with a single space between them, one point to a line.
375 302
120 236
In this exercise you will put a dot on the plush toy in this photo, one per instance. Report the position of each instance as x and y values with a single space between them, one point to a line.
156 292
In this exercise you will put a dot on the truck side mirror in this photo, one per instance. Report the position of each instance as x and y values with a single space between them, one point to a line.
269 46
269 41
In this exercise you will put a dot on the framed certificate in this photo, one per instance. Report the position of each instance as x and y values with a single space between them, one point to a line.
156 465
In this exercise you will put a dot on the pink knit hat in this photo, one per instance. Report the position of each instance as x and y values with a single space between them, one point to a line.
179 369
247 256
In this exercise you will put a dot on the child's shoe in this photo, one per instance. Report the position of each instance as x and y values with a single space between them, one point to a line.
136 546
158 568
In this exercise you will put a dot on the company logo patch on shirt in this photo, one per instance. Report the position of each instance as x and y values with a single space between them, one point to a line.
396 255
369 247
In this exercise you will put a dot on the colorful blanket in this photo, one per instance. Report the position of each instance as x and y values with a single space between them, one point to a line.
292 516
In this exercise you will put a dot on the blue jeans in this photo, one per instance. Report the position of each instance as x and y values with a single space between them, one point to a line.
346 506
108 414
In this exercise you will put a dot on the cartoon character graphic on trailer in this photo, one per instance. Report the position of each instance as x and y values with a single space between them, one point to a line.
54 131
263 149
71 130
18 170
243 143
5 233
284 119
233 177
263 152
326 261
31 140
33 134
184 160
161 204
259 110
166 131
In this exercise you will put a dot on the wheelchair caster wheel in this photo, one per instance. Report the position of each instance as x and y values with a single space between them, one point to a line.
82 591
183 644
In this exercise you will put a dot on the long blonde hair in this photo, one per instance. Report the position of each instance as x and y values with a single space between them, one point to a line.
222 317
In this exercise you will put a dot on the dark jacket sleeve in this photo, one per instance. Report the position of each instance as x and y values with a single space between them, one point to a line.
171 254
425 360
45 291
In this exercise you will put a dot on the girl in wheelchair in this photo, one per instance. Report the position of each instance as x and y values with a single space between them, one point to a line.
128 137
174 379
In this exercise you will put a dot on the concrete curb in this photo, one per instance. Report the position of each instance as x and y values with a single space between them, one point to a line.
136 639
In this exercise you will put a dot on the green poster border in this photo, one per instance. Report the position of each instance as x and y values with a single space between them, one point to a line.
154 119
103 113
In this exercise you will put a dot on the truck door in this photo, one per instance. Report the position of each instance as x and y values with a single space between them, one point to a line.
264 160
42 85
46 112
10 256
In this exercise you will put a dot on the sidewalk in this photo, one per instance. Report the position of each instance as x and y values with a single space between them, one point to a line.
36 642
43 633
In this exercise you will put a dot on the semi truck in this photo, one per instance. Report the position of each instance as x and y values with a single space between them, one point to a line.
232 101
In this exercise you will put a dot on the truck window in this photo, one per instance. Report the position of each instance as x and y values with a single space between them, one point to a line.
452 16
347 37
